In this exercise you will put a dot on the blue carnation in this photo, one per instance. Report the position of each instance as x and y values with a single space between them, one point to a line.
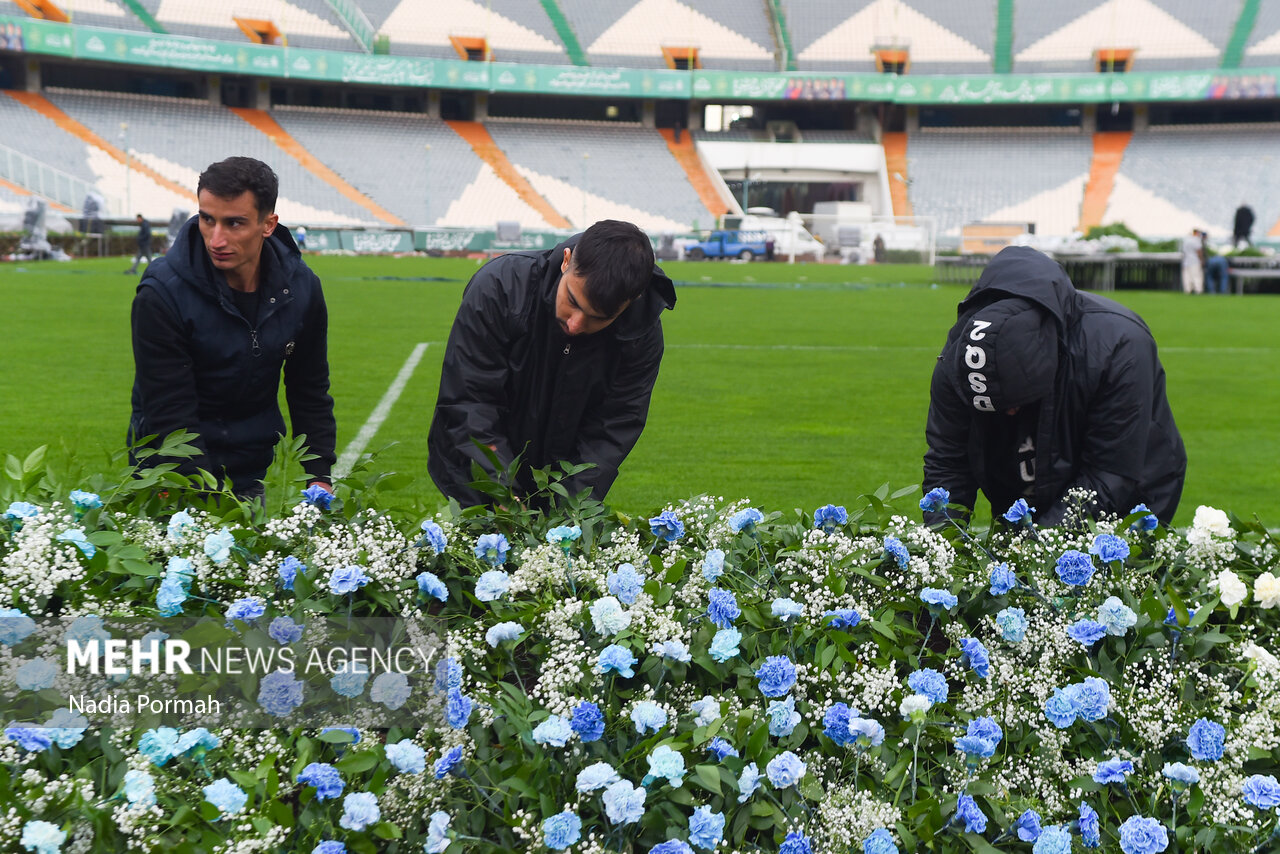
777 676
563 535
666 526
671 846
31 738
1205 740
492 585
626 584
986 728
36 675
674 650
1142 835
724 645
561 830
555 731
748 782
601 775
226 796
437 833
279 693
15 626
835 724
288 571
587 721
317 496
506 631
1112 771
1012 623
391 689
721 749
430 584
967 811
246 610
1147 522
666 763
648 717
1028 826
866 733
350 680
894 548
785 770
1002 579
324 777
330 846
1075 568
492 549
42 837
1261 791
1181 775
706 828
458 708
795 842
1116 616
433 536
974 654
938 598
1086 632
348 579
745 520
783 717
66 728
1059 709
829 517
1091 698
935 500
973 746
723 608
1109 547
930 683
217 546
623 802
159 745
76 537
84 501
1019 512
881 840
195 741
284 631
139 788
617 659
448 675
359 810
1053 840
1090 826
786 609
713 565
447 762
842 618
19 510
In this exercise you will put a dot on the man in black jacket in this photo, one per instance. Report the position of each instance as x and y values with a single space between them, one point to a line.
1040 389
214 322
144 244
553 355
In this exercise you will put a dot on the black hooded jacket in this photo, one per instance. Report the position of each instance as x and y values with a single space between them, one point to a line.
200 365
513 380
1105 425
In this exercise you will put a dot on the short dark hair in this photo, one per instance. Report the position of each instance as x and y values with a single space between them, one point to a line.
228 178
615 261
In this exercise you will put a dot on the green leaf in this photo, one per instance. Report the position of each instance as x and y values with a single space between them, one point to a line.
709 777
387 830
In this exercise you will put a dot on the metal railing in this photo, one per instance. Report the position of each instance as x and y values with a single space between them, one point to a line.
50 183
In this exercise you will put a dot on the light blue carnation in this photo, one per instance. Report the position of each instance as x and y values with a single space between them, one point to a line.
139 788
506 631
42 837
226 796
748 782
1116 616
15 626
36 675
881 840
359 811
624 803
668 763
65 727
554 731
76 537
595 777
246 610
1181 775
1059 709
84 501
1142 835
673 650
324 778
785 770
1002 579
1086 632
706 828
407 757
1012 623
196 741
783 717
433 536
626 584
894 548
458 709
1206 740
437 833
1053 840
431 585
648 717
745 520
19 510
217 546
180 524
349 681
347 580
724 645
284 631
713 565
492 549
561 830
279 693
938 598
608 616
159 745
492 585
616 659
786 609
391 689
563 535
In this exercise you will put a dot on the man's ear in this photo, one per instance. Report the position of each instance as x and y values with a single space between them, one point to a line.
564 265
269 223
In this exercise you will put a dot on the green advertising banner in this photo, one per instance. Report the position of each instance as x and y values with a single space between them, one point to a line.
152 49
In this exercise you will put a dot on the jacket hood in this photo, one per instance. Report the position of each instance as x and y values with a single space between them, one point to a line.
189 259
641 314
1006 355
1020 271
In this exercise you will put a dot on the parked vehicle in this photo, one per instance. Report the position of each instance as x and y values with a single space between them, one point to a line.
745 245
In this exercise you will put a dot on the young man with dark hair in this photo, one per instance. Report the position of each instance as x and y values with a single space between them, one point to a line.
554 355
217 319
1040 389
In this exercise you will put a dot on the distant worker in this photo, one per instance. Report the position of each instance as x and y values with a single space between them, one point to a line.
1193 262
877 249
1041 389
1217 274
214 323
300 234
144 244
552 355
1243 226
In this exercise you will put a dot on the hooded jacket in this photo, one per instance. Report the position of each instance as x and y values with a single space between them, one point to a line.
200 365
1104 422
513 380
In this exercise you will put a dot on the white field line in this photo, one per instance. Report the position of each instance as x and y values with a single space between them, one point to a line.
861 348
379 414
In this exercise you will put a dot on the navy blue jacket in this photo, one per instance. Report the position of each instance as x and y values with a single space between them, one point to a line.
512 379
1106 426
201 366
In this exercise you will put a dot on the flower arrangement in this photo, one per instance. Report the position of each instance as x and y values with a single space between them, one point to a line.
713 678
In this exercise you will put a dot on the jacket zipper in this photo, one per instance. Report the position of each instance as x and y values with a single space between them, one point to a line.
567 345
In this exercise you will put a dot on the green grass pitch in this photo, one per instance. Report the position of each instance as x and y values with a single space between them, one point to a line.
794 386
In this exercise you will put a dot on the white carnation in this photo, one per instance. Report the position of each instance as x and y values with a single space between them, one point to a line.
1267 590
1231 589
608 617
1209 524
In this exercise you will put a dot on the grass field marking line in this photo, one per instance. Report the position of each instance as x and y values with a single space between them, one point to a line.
380 413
